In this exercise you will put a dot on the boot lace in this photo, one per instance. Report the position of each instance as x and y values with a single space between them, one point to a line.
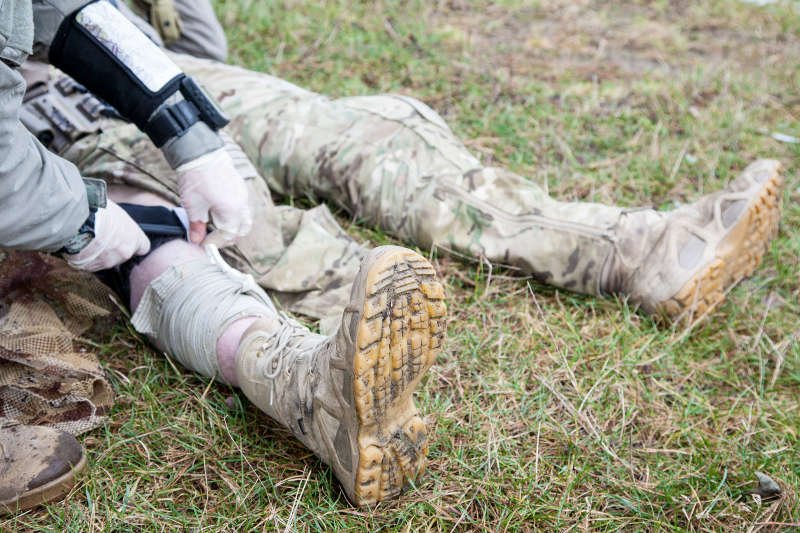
289 344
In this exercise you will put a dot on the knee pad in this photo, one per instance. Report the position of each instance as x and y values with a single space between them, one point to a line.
186 309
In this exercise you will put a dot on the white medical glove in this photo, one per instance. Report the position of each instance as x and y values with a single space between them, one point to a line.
211 185
117 238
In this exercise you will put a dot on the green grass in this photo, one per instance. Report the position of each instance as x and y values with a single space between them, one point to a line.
548 410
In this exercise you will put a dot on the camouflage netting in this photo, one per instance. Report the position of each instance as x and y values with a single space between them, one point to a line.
47 375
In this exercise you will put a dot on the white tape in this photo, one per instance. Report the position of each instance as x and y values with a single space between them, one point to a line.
125 41
187 308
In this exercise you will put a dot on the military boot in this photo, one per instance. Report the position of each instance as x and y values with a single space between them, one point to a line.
348 397
680 264
39 465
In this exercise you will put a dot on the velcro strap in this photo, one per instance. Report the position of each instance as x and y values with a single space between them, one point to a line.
172 121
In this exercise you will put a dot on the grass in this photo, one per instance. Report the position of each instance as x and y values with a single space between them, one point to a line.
548 410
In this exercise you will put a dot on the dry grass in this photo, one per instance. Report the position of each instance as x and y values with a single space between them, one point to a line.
550 410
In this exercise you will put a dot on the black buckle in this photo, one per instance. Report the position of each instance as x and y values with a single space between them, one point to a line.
210 112
67 86
172 121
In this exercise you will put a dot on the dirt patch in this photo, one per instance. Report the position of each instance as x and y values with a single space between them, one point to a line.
612 40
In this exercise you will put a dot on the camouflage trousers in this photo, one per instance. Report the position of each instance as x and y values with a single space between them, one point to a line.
390 161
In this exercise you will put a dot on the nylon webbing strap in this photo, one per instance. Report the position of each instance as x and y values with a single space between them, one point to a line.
172 121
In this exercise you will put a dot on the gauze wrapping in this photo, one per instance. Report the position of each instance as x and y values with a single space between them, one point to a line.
186 309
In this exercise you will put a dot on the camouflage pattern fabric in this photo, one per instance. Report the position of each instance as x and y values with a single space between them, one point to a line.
303 258
47 375
393 162
389 160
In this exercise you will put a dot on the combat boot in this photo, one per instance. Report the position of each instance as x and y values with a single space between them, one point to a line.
39 465
348 397
680 264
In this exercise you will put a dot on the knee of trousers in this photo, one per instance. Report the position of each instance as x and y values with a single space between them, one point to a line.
186 309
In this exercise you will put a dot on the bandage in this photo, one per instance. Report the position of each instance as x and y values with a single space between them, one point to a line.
186 309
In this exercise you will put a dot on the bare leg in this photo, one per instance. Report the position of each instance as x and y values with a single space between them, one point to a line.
176 253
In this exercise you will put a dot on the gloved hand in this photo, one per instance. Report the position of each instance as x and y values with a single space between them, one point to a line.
117 238
211 185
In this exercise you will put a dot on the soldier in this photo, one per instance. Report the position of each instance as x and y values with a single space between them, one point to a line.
346 396
45 204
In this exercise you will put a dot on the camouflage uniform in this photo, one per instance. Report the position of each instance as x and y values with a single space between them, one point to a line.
394 163
389 160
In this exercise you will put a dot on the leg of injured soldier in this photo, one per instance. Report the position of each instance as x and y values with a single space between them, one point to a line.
348 396
393 162
176 253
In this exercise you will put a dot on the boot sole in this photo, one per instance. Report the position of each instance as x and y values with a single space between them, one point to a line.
399 334
48 492
737 256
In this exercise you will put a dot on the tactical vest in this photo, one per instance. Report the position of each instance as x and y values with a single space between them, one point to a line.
57 110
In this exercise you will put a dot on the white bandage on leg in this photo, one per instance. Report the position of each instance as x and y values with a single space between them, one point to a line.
186 309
